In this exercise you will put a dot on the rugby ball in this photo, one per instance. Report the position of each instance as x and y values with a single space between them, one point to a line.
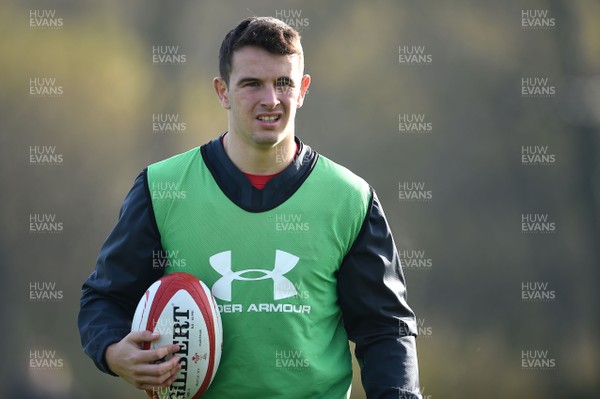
183 311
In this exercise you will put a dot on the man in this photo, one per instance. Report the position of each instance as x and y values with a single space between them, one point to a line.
310 255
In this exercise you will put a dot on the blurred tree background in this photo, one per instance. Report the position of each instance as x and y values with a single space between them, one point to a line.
475 326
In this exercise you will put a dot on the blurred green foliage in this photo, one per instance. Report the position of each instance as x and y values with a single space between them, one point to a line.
468 302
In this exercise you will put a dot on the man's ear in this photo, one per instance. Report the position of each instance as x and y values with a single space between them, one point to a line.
304 83
221 89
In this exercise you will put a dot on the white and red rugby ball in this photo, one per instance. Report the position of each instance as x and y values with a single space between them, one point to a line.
183 311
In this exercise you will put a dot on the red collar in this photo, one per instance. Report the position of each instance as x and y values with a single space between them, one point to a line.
259 181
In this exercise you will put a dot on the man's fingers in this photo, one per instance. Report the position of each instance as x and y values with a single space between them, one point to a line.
165 369
150 382
152 389
174 363
139 337
152 355
145 372
165 384
163 380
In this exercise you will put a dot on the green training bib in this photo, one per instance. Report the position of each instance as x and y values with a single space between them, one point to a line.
272 273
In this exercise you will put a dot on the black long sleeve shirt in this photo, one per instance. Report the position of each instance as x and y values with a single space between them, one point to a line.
371 286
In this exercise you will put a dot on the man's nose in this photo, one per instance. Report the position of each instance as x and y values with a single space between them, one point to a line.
270 97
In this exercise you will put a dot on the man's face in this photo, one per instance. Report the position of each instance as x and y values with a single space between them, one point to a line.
263 94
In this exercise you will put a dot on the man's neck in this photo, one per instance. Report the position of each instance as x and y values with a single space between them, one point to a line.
259 160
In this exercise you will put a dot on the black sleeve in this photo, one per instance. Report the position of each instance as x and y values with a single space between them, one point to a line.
372 296
124 270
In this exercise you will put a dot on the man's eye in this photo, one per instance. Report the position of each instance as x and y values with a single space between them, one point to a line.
283 82
252 84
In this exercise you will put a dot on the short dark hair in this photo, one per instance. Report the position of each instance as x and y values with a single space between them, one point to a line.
267 33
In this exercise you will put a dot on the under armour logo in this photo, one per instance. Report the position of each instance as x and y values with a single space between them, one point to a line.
283 288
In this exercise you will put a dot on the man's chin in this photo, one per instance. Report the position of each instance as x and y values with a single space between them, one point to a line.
268 138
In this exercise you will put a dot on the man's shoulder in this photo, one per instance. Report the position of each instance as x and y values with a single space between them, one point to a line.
175 165
345 191
178 158
342 175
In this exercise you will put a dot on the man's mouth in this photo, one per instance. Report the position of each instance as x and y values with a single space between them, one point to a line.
268 118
